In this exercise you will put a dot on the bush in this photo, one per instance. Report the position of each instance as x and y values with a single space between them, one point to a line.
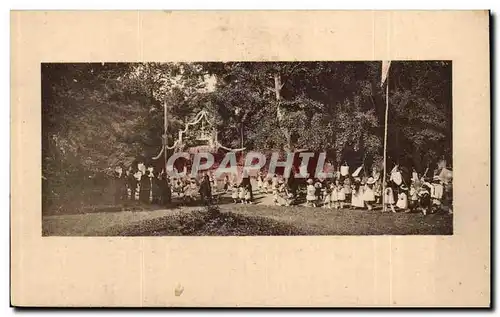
209 222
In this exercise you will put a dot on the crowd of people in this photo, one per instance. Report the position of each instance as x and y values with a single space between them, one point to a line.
150 186
419 194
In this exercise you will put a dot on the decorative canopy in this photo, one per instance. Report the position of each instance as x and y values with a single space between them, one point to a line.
209 137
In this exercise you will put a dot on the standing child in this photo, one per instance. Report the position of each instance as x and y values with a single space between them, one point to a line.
369 194
289 196
402 203
334 194
260 183
226 183
248 194
319 188
437 192
234 193
389 197
275 181
269 186
357 196
311 193
348 190
424 198
327 196
352 191
377 190
178 187
241 194
413 198
276 195
341 190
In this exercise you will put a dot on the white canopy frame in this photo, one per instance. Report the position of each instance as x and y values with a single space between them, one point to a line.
197 119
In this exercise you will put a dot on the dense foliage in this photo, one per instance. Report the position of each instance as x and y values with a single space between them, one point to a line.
97 115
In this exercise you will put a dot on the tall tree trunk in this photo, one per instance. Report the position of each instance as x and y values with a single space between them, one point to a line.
241 135
279 112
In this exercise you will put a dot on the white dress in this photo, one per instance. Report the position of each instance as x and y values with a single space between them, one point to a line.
327 197
234 193
389 196
247 195
275 182
341 194
369 195
334 195
402 201
260 183
357 198
311 193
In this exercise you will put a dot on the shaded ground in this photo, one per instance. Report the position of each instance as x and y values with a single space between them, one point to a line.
209 223
238 220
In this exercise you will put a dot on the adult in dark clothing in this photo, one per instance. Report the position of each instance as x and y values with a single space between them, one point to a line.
205 190
156 189
119 187
166 193
292 184
245 182
144 192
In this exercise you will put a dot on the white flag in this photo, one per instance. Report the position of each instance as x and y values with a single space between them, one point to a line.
385 71
356 172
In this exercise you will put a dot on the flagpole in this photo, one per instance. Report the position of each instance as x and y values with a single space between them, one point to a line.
385 142
165 122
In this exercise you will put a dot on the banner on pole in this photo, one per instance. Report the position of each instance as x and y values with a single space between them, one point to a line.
385 71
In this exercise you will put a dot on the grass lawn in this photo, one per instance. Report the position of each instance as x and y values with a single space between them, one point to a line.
245 220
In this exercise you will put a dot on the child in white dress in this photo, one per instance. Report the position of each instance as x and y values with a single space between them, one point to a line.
274 181
357 196
327 197
402 203
311 193
334 195
234 193
413 198
341 195
389 197
276 195
437 192
241 194
260 183
369 194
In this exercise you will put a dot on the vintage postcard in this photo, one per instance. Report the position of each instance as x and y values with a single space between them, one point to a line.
250 158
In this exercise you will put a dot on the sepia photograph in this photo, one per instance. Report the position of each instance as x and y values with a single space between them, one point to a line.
233 148
250 159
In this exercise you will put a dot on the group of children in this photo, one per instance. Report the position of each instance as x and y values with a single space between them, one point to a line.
425 195
241 193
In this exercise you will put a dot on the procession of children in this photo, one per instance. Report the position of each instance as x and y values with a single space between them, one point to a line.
344 190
